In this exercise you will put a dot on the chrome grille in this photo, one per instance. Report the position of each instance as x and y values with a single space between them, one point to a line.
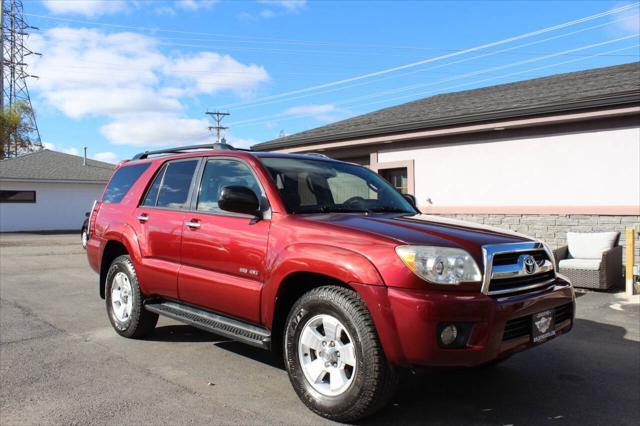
517 268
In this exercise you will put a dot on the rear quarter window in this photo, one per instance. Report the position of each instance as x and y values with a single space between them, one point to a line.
122 181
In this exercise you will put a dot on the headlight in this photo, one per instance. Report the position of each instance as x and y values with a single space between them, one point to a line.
440 265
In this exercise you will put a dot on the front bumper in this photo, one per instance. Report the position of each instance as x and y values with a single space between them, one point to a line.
417 314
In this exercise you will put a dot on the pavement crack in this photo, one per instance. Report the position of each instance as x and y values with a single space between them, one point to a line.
30 314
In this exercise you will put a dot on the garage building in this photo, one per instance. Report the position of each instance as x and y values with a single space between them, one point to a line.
541 156
49 191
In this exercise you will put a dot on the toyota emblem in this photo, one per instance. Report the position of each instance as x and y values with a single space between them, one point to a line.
528 264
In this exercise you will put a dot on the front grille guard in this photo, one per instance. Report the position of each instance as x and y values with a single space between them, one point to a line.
490 250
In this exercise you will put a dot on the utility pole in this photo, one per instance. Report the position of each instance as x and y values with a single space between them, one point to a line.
217 117
13 78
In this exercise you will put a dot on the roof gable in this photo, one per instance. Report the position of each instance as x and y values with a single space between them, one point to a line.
47 165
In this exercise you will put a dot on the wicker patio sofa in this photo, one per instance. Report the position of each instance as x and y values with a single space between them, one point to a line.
591 260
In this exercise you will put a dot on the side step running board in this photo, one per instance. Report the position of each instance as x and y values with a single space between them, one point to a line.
214 323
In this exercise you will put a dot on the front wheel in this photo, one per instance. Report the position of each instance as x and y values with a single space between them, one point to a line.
333 355
124 301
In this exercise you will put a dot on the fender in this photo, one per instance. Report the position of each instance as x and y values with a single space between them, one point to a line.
342 264
126 235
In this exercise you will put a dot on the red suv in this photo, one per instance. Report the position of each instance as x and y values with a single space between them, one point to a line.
322 261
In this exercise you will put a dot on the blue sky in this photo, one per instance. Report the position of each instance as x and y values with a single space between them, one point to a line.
124 76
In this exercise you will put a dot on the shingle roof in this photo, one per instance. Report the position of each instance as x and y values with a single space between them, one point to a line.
615 85
47 165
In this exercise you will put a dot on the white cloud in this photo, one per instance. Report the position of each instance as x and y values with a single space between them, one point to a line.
240 142
165 10
288 5
66 150
188 5
127 79
107 157
209 72
89 8
87 72
267 13
77 103
195 5
320 112
629 21
156 130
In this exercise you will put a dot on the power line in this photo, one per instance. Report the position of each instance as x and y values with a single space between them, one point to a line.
437 58
446 64
248 39
347 102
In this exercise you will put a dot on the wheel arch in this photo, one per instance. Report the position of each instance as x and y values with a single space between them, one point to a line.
112 250
292 287
119 240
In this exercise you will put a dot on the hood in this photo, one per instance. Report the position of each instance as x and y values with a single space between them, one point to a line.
424 230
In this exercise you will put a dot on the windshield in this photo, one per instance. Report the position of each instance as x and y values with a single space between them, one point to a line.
319 186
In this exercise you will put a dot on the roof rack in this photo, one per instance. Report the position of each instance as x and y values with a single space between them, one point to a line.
182 149
316 154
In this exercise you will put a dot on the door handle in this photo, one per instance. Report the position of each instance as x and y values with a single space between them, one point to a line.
193 224
143 218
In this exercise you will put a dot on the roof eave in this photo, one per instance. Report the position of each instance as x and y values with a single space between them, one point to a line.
36 180
627 98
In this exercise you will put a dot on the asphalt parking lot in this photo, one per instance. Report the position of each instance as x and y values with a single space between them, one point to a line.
60 363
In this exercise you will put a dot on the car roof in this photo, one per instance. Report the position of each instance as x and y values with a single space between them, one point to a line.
217 150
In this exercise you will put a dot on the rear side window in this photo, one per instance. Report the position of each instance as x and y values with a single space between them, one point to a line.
170 188
122 181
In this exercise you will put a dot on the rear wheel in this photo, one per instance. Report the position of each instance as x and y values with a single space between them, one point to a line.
124 301
84 237
333 355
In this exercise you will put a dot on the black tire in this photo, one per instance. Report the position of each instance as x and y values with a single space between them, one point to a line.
140 322
83 238
375 380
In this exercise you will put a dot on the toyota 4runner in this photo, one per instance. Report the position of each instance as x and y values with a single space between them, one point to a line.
321 261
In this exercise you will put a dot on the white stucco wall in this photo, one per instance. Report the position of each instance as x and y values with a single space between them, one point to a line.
599 168
59 206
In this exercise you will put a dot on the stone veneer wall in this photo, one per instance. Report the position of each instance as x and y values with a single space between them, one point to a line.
553 228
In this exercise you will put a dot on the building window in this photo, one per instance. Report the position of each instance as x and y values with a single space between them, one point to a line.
17 196
397 178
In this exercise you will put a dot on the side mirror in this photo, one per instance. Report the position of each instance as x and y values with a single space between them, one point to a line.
239 199
411 199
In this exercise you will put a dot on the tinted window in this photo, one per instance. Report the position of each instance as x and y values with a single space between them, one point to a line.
318 186
174 190
152 193
220 173
17 196
122 181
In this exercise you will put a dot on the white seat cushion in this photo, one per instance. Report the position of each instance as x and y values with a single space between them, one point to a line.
590 264
590 245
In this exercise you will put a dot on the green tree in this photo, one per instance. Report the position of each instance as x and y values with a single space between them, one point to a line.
15 130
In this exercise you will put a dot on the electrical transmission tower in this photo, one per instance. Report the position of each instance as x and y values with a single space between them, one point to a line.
218 116
13 80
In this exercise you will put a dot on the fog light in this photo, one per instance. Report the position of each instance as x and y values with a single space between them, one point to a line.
449 334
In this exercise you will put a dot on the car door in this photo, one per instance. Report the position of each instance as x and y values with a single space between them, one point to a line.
223 254
160 218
